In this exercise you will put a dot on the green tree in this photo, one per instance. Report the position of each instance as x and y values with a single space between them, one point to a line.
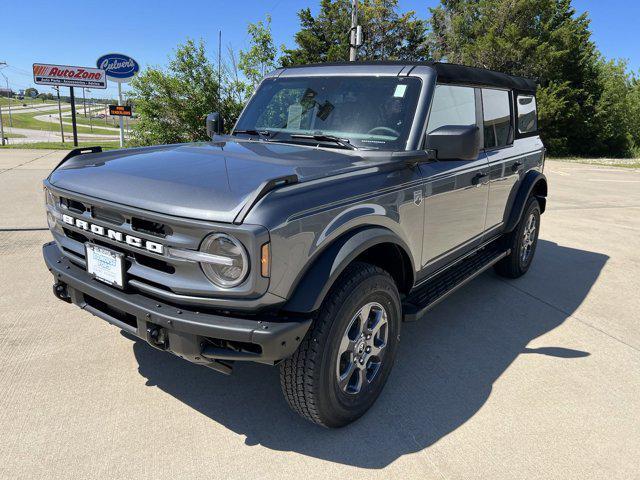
172 103
388 35
634 107
543 39
613 111
31 92
260 59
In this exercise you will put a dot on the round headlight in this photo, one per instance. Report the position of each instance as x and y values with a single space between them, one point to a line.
48 198
233 264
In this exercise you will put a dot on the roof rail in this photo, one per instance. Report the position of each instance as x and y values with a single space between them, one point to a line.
79 151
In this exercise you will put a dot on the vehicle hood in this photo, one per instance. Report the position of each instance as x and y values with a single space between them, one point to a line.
206 181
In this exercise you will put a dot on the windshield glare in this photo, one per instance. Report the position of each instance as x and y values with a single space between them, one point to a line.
369 112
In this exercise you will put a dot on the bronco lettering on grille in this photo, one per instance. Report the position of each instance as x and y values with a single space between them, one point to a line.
114 235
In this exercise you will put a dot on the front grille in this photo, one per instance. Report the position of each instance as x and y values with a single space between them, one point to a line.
107 215
154 263
149 227
78 237
147 272
73 205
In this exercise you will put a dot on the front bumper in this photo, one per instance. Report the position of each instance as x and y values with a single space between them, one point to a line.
210 339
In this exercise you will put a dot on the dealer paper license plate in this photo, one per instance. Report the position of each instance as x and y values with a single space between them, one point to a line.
105 265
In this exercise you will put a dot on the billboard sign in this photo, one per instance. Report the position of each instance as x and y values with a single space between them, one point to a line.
67 76
120 110
120 68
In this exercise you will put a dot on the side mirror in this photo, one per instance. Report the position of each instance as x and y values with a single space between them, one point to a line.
455 142
215 124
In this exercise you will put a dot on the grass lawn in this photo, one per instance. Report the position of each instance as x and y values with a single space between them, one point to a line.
27 120
97 122
29 101
62 146
12 135
604 162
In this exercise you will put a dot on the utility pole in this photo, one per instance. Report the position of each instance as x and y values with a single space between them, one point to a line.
90 112
1 128
57 89
355 34
4 64
84 102
219 68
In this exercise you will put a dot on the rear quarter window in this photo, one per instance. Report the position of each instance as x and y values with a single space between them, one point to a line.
527 114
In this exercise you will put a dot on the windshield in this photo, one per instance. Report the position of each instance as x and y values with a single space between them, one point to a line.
367 112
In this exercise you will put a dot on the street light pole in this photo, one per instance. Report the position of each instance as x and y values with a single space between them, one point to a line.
57 89
1 128
84 102
4 64
90 123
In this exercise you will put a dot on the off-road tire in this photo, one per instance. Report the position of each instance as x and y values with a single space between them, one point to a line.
308 378
514 265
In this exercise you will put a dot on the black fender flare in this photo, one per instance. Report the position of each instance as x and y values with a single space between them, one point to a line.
310 290
533 181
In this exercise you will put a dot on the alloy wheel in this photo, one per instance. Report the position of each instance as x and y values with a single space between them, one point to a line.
362 348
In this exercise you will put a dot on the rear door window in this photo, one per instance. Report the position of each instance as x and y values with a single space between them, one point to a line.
496 108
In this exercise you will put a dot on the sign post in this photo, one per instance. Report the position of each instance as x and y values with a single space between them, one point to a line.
60 113
67 76
121 69
73 117
121 119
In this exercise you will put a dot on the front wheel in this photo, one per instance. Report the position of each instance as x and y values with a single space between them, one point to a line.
344 360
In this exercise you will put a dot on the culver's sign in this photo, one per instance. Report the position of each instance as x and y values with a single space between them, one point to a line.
118 67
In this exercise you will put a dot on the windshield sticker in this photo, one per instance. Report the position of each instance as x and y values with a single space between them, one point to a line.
400 91
295 116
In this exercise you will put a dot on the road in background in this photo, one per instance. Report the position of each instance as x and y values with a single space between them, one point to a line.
536 378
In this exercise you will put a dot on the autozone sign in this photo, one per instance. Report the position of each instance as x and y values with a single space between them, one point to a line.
66 76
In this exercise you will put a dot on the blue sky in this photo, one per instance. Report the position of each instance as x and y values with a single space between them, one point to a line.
77 32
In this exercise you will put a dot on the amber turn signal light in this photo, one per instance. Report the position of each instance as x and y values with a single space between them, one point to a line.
265 260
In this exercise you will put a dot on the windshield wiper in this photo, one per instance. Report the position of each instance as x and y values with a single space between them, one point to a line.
261 133
343 142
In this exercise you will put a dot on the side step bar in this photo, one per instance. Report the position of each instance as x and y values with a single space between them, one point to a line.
443 284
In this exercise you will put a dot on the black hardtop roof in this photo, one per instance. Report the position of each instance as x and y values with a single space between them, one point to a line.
449 73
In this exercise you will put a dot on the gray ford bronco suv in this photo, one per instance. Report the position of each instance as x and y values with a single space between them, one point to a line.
346 199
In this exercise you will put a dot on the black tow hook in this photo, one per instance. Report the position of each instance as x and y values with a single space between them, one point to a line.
60 291
157 337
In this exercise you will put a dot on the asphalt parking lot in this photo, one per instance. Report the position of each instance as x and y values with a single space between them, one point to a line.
526 379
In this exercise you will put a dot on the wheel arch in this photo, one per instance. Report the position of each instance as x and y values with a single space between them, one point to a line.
533 184
376 245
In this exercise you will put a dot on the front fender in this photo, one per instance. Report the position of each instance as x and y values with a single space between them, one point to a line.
315 283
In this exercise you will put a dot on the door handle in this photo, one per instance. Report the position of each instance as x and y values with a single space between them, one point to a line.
477 177
515 166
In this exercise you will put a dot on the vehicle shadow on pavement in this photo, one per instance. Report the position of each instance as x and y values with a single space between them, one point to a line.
444 373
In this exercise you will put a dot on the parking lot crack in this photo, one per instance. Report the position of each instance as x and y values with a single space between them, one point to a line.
26 163
570 315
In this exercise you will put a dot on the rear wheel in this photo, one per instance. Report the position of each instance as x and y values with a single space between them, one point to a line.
522 242
344 360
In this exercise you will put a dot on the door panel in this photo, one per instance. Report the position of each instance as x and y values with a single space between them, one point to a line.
456 191
455 208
